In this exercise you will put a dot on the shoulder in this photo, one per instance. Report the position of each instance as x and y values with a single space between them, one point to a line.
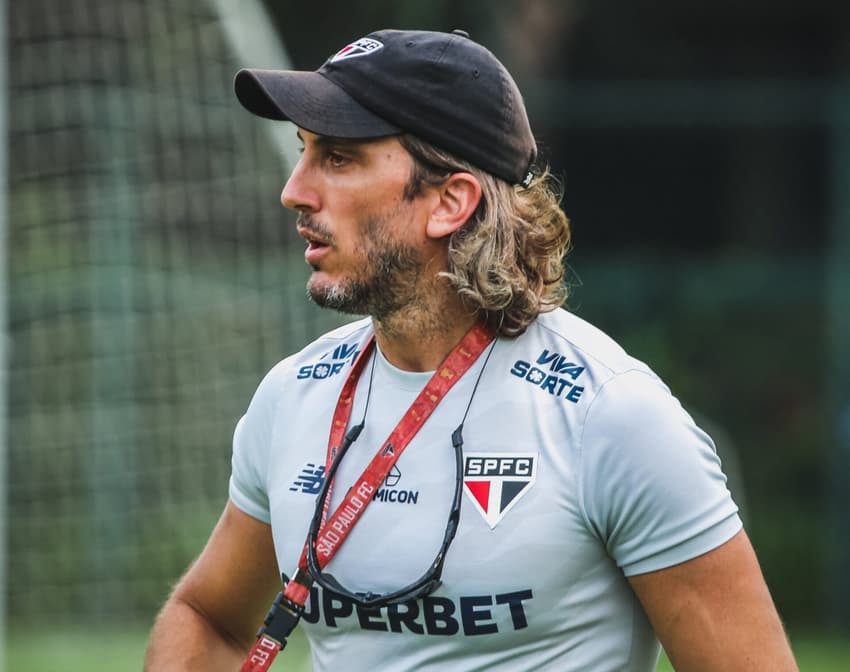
622 393
560 345
336 342
324 357
595 347
649 479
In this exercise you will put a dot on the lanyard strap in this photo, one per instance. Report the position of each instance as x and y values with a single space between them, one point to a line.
342 414
333 532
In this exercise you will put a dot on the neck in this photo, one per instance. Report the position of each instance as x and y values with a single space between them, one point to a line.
423 336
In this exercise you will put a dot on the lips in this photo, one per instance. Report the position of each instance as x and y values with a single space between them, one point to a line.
317 244
312 236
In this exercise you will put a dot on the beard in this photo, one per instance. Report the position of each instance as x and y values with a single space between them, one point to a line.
385 282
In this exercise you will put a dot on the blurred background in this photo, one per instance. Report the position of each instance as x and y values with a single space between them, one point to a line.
151 276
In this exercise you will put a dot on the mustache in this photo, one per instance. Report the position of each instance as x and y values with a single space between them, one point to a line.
306 221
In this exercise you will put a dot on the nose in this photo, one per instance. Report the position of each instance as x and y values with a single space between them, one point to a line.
298 192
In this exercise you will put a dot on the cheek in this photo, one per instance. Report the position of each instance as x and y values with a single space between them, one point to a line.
371 211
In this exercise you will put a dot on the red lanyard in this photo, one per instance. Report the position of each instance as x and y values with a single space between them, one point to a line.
334 531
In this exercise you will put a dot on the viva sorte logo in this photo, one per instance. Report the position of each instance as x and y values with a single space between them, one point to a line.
331 363
553 373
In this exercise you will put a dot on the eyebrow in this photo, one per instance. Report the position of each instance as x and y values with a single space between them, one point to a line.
331 140
325 139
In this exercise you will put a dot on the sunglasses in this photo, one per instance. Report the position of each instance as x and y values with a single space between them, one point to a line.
425 584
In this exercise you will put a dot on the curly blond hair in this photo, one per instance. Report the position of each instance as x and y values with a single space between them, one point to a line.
507 261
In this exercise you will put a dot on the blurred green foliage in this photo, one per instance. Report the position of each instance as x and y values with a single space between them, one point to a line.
81 650
730 354
152 284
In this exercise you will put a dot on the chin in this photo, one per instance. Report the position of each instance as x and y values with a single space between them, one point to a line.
329 294
320 284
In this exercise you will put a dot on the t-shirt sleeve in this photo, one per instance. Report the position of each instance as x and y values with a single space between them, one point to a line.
251 448
651 481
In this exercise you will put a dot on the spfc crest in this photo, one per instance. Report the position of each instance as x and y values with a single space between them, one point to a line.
496 481
362 47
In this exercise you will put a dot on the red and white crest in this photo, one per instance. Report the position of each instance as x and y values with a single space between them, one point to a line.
362 47
496 481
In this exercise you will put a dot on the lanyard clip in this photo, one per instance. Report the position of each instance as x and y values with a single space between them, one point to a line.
278 625
281 620
287 607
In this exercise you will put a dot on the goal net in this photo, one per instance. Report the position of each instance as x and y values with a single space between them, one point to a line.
153 277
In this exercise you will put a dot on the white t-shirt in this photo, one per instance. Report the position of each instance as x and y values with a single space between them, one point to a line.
580 469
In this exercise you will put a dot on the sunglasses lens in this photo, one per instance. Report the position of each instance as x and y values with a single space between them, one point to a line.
426 585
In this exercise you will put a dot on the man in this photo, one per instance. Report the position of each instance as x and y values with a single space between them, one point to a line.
594 518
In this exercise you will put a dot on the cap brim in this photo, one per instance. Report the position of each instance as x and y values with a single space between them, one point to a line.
310 101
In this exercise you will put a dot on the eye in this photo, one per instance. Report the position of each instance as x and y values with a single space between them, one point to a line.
336 159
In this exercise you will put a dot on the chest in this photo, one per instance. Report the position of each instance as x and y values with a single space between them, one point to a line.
521 532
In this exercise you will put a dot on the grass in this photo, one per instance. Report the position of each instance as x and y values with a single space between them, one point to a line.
116 650
78 650
814 653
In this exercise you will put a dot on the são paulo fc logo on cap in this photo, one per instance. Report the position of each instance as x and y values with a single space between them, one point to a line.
362 47
497 481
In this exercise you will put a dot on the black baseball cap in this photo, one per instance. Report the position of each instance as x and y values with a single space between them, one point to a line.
442 87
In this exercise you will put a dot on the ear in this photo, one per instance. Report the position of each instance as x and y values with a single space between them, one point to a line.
458 197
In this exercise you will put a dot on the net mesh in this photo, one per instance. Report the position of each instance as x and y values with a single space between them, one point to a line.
153 279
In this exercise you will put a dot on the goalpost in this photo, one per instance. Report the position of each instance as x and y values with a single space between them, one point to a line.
4 227
154 279
249 31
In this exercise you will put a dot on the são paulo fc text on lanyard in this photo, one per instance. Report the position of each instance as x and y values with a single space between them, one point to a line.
326 536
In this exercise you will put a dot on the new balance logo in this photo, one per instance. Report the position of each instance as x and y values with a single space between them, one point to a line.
310 479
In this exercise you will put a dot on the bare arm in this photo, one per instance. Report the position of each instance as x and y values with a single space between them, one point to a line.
715 613
209 621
